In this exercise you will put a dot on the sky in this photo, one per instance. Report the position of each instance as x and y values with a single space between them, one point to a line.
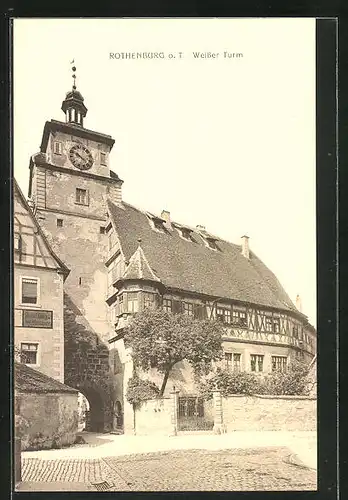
224 142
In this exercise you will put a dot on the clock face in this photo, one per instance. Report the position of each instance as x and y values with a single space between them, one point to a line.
81 157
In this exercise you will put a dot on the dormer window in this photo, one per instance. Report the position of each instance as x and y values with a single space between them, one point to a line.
184 231
156 222
212 243
209 240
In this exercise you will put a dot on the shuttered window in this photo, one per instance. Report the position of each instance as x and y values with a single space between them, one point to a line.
30 290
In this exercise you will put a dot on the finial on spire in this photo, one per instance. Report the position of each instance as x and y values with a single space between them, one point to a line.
73 69
73 105
139 241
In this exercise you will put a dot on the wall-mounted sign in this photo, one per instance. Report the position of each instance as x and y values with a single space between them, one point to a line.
37 319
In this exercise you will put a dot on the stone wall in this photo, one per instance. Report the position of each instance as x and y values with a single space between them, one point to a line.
272 413
51 419
88 368
154 417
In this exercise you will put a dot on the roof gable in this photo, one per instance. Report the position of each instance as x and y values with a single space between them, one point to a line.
192 266
139 268
24 217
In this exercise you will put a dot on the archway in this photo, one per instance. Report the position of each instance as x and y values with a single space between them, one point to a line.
96 410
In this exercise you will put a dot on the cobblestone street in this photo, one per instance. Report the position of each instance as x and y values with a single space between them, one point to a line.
224 470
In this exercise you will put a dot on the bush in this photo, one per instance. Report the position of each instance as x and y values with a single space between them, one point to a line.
231 383
293 382
139 390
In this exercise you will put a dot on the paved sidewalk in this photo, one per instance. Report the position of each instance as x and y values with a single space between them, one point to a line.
248 469
302 444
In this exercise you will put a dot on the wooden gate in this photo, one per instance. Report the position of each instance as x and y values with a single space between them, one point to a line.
194 414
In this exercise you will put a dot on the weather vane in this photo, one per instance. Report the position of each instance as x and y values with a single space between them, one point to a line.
73 69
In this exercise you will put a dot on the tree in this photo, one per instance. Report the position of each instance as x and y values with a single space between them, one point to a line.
160 339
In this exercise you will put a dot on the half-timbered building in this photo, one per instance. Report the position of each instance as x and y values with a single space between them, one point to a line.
39 276
156 262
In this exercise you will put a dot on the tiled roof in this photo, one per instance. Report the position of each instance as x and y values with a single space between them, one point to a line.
193 266
29 380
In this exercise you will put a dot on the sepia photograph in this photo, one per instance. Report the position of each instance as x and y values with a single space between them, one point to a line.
165 260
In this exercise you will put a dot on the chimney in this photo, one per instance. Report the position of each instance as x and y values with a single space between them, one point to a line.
245 246
298 303
165 215
200 228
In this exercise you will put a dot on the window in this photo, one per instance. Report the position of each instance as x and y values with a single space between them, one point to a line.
102 158
30 290
232 361
223 315
59 222
120 304
236 362
239 318
58 148
279 364
29 353
102 230
149 300
132 299
188 308
269 324
256 363
276 325
295 331
17 242
81 196
167 305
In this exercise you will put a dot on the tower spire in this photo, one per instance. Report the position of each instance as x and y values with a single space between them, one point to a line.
73 105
